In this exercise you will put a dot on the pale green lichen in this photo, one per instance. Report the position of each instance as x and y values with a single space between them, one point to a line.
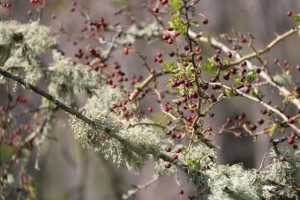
112 137
68 79
21 47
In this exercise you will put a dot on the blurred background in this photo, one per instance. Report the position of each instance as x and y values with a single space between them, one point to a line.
70 173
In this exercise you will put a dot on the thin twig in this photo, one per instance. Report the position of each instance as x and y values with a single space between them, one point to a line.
137 188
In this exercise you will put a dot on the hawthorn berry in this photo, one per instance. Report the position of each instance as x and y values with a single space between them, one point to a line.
181 192
205 21
163 2
126 50
149 109
177 150
229 54
291 121
175 157
167 165
167 149
169 132
228 120
155 10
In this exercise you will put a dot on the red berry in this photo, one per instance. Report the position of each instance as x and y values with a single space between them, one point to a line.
169 132
163 2
181 192
92 51
291 121
290 140
229 54
174 157
155 10
178 150
178 136
289 13
205 21
126 50
168 165
186 170
293 135
228 120
167 149
169 122
149 109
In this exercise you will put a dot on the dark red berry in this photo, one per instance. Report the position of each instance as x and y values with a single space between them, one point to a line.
178 150
205 21
181 192
167 165
167 149
155 10
149 109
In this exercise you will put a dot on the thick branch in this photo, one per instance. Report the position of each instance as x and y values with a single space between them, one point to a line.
80 116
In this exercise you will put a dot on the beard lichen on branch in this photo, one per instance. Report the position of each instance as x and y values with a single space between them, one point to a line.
68 79
111 135
22 45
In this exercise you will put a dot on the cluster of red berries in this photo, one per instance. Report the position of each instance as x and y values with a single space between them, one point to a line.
21 99
167 37
14 134
5 5
123 108
175 156
74 5
158 58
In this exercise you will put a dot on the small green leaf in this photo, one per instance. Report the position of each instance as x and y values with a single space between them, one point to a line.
229 92
168 67
250 76
270 129
189 162
296 17
209 67
177 24
199 35
175 5
195 23
237 81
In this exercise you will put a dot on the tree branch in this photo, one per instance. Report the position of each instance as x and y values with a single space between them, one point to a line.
80 116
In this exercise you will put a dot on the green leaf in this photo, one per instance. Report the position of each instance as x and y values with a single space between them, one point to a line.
168 67
237 81
250 76
189 162
209 67
199 35
175 5
176 23
270 129
195 23
229 92
296 17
